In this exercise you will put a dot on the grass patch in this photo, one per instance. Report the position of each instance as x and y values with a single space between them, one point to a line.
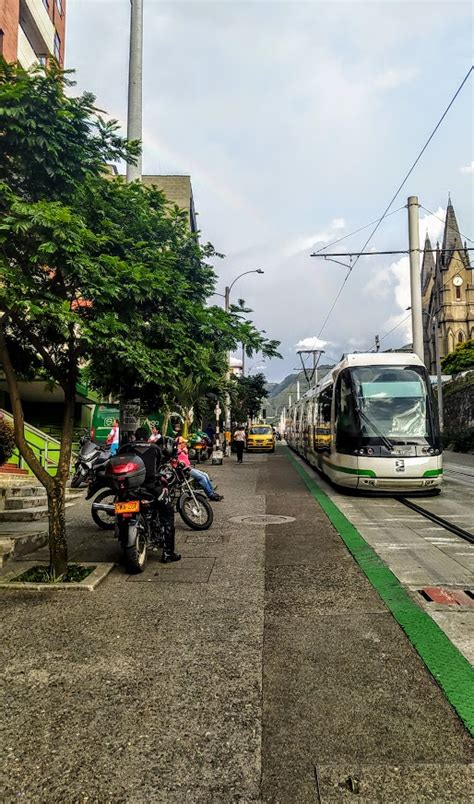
75 573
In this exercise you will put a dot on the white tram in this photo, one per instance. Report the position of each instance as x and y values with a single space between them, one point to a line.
371 424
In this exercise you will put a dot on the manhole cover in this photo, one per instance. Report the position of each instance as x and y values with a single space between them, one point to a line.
262 519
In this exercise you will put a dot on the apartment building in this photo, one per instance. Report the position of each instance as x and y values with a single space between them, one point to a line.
32 31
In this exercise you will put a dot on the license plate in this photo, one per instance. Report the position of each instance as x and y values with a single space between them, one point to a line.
128 507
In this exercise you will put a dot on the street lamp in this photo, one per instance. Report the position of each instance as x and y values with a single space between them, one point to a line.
227 307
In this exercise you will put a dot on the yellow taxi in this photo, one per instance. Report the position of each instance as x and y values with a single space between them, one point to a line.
261 437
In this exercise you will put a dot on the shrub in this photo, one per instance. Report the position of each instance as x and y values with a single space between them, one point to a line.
7 442
459 440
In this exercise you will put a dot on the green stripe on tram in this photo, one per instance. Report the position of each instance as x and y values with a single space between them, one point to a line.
445 662
433 473
349 471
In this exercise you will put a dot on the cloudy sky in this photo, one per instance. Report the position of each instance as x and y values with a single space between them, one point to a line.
297 122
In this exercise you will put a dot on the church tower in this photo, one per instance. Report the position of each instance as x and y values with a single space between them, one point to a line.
447 292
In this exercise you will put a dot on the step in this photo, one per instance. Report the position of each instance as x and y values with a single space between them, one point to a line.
22 491
13 469
18 503
27 514
21 543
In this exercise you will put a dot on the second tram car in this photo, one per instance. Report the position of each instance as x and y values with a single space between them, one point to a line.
371 424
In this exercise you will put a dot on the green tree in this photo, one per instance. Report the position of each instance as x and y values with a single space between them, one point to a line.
461 359
99 279
247 395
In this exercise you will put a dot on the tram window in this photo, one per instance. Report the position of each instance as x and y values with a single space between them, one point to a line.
394 399
346 418
325 406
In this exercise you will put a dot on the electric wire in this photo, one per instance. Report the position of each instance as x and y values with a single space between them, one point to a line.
446 224
410 171
356 231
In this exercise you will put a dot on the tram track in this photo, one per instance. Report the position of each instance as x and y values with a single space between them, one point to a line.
438 520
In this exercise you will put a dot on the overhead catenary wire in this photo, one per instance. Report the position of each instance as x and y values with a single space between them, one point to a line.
356 231
445 222
399 188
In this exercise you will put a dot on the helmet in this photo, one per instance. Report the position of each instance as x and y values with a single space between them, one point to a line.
169 447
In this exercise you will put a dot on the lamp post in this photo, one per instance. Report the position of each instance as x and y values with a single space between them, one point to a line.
135 81
227 307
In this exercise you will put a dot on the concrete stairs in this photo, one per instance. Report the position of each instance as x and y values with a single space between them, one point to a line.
28 503
24 518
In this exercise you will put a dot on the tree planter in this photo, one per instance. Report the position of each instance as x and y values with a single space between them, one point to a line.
97 573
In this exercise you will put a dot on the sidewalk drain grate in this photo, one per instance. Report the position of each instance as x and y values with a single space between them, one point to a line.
447 597
262 519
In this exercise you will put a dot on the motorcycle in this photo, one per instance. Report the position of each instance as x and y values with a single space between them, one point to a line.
191 504
200 447
90 462
133 512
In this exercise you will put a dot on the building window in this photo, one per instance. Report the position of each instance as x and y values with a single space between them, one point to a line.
57 46
59 6
43 60
460 337
458 293
46 4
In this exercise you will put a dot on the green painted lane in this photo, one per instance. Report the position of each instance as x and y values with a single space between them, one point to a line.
448 666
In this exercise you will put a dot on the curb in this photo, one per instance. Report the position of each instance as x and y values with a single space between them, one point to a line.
100 571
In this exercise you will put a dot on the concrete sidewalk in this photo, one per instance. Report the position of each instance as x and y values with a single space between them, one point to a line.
262 667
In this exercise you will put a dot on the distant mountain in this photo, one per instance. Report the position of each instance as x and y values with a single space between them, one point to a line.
279 393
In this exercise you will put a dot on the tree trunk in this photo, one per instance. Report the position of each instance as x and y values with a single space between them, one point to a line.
57 529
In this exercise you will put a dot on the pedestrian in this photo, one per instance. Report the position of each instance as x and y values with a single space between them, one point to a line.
239 442
113 438
200 477
155 435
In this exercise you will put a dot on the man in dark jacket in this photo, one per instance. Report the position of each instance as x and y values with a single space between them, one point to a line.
152 457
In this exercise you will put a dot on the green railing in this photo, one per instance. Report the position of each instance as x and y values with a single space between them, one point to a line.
45 448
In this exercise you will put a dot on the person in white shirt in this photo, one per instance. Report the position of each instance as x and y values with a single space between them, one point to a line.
239 441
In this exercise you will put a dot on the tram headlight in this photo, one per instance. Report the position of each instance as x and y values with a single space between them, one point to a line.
362 451
370 451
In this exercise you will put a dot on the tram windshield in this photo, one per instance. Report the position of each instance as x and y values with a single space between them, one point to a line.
392 402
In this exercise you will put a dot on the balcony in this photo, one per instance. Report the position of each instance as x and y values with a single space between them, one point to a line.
37 26
26 55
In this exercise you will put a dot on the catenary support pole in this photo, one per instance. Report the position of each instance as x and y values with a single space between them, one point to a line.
438 373
415 279
135 81
227 425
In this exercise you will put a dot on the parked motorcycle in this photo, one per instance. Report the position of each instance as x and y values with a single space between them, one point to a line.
191 503
134 510
90 462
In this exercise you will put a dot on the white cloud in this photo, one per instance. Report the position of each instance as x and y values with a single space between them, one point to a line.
467 168
393 78
311 343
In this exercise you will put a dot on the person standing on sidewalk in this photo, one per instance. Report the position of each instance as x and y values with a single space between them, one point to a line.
113 438
239 441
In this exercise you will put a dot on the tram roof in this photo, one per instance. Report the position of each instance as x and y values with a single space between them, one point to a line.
364 359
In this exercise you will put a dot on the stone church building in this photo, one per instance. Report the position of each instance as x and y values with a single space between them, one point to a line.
447 292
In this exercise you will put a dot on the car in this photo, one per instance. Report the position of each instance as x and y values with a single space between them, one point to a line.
260 437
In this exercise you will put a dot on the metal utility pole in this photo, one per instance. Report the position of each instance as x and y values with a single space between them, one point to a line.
135 82
415 279
438 374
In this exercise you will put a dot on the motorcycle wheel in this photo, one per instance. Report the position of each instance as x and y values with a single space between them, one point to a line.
196 515
136 554
101 518
79 477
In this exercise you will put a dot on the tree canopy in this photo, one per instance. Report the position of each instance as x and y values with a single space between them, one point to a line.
99 279
461 359
247 395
